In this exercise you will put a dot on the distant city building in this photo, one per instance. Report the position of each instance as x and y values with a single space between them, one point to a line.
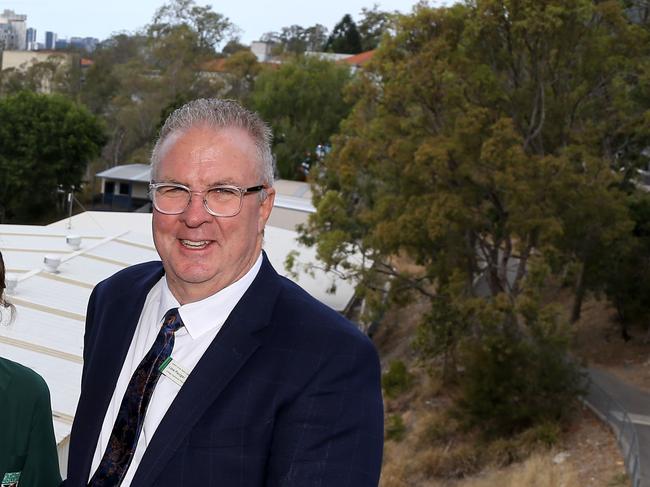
13 30
61 44
50 40
30 39
87 43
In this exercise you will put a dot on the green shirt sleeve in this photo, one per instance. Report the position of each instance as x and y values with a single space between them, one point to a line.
41 463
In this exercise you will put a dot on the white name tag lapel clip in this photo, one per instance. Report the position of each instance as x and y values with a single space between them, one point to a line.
174 371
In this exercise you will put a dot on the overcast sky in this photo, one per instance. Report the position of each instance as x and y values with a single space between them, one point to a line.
86 18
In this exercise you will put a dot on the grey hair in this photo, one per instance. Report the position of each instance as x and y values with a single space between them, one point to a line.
217 113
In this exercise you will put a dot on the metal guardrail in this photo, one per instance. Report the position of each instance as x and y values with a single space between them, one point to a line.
610 411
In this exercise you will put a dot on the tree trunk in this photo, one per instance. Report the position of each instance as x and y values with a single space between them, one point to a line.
579 295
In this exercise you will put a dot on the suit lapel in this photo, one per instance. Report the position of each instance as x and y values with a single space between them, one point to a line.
230 350
104 361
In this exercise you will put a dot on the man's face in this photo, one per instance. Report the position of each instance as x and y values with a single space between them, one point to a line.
202 253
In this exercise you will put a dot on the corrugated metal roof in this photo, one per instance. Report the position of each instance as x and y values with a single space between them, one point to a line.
47 334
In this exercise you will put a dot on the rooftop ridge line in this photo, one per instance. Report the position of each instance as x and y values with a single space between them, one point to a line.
74 254
136 244
48 309
41 349
48 235
67 280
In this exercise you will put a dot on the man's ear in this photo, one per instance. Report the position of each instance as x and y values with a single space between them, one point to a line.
265 209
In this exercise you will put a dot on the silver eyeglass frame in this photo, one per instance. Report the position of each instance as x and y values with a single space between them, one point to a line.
153 186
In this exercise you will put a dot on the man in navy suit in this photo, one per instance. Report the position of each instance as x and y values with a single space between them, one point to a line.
265 385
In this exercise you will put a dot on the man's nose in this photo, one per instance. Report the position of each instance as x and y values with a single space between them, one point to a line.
196 213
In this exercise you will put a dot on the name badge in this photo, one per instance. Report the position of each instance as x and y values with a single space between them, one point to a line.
175 371
10 479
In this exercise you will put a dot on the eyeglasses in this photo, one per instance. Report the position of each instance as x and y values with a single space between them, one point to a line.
223 200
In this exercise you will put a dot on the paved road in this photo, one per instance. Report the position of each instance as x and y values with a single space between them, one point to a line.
614 400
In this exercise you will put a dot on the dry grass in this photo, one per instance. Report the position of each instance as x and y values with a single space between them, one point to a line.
591 457
538 471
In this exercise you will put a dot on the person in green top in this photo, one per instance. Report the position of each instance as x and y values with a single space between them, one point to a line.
27 447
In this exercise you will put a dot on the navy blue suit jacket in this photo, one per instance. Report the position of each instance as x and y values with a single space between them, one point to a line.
287 394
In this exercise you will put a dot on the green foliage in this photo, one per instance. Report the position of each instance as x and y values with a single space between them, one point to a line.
627 272
545 434
480 136
345 37
480 150
396 380
134 77
302 101
619 480
209 27
296 39
441 332
373 25
46 141
512 383
243 68
395 428
58 74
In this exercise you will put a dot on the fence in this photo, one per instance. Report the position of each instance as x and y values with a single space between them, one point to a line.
610 411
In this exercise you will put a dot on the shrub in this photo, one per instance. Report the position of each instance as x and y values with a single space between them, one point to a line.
397 379
395 427
514 381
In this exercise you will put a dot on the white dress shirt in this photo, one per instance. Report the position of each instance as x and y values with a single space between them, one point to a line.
203 320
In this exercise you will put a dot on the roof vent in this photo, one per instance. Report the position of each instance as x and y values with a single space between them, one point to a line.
11 281
52 263
73 241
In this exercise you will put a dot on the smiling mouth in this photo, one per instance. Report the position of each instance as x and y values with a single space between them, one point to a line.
194 244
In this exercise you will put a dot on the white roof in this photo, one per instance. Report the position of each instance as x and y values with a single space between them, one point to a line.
47 334
128 172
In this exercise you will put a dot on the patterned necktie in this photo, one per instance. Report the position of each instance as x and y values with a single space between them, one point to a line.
130 418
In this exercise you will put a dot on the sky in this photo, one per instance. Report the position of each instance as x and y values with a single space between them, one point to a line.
84 18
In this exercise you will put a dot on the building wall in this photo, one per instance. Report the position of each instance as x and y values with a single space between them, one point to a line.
50 40
22 60
31 39
262 50
13 30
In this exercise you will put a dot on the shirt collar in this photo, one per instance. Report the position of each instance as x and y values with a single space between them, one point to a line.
202 316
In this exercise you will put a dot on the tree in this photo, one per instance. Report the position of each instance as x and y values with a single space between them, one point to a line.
315 37
244 68
373 25
297 39
134 77
234 46
46 147
210 27
476 149
345 37
302 101
57 74
627 271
